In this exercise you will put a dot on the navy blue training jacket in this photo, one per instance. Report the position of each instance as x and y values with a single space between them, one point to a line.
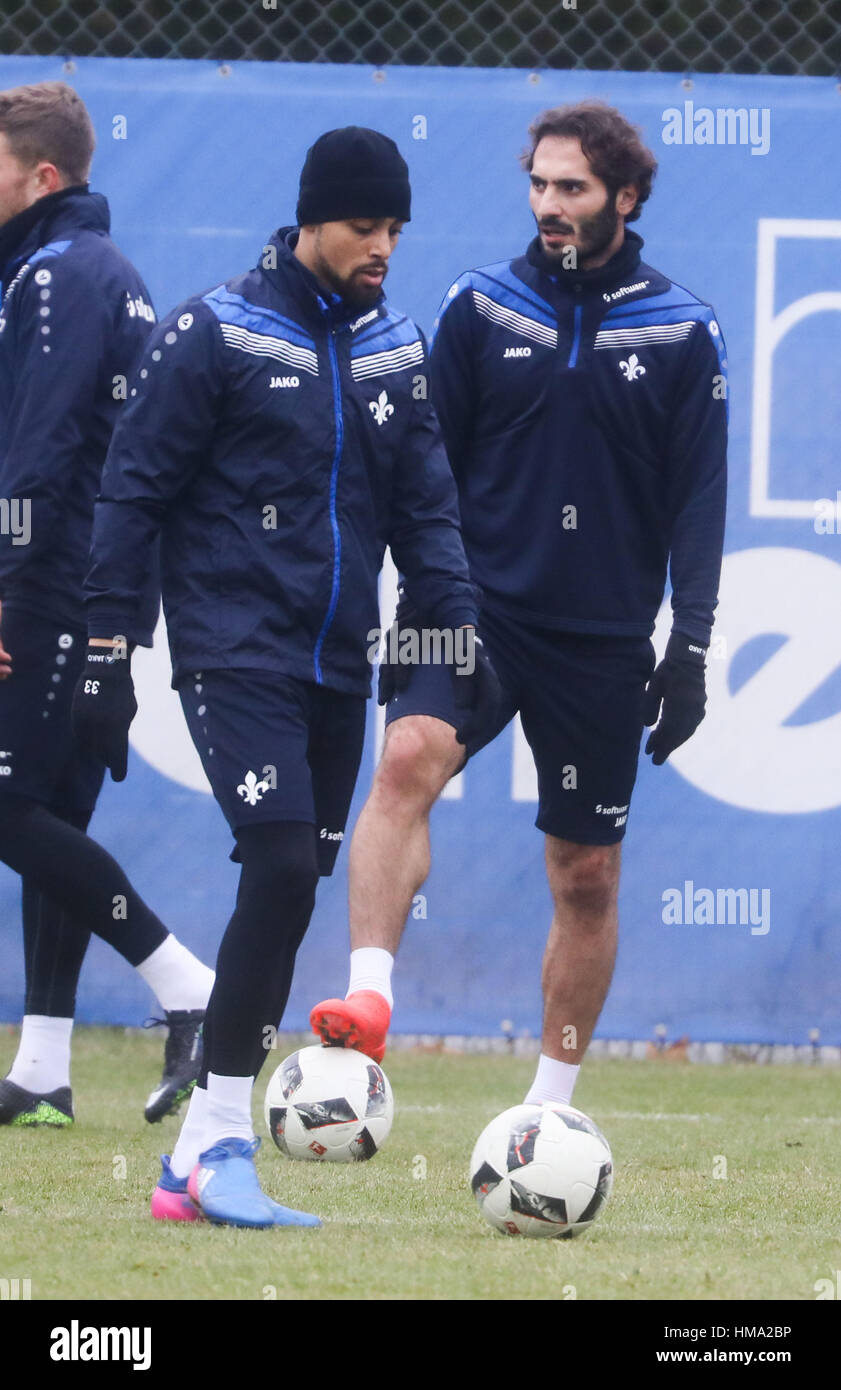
74 317
278 442
585 417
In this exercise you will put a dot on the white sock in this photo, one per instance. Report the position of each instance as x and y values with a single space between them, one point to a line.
42 1063
554 1081
176 976
190 1142
228 1109
370 968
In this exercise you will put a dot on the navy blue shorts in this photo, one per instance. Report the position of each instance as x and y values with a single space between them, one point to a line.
38 756
580 702
277 749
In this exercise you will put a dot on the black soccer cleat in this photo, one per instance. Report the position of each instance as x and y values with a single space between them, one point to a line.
182 1063
21 1107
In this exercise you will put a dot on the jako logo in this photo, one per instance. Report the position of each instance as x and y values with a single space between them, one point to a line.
517 352
284 381
720 908
75 1343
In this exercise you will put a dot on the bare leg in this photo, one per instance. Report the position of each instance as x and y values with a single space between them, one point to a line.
389 860
581 949
389 852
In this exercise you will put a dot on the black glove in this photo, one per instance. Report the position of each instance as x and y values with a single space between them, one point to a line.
104 706
679 683
394 675
478 694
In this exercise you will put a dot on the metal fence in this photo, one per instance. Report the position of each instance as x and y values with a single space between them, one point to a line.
767 36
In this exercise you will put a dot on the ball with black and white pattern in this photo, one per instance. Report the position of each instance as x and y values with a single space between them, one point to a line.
331 1104
541 1170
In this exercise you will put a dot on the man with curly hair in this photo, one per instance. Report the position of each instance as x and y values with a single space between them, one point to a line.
582 397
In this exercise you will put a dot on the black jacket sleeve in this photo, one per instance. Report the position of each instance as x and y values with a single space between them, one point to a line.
59 357
697 482
452 357
425 535
164 431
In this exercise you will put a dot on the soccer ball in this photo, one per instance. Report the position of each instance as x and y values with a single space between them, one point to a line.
329 1103
541 1170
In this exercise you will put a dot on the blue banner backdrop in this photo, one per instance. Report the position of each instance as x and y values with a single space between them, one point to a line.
200 162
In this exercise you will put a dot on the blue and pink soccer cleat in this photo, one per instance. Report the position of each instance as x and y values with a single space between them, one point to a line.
225 1186
170 1200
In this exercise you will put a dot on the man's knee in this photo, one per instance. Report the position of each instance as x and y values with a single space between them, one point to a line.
584 879
279 861
420 755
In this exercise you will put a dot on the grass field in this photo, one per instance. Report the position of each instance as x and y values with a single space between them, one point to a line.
74 1204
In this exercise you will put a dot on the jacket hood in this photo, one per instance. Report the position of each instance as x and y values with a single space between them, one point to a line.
69 210
619 267
292 274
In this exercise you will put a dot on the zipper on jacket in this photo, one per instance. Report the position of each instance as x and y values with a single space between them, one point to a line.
334 478
576 337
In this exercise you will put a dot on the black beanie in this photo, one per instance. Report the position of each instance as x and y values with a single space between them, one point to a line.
353 172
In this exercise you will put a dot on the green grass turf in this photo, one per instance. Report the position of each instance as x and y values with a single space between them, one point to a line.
770 1229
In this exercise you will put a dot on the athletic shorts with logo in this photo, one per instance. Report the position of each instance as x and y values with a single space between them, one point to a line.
579 698
275 748
39 759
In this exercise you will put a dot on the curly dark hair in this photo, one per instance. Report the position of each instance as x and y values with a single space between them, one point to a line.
612 146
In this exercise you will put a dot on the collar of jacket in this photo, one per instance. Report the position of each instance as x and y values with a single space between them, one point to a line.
621 266
292 276
70 209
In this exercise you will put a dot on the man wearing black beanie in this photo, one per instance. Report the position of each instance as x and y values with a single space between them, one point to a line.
353 200
277 437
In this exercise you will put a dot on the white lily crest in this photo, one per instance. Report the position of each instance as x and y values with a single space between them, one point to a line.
381 408
632 368
251 790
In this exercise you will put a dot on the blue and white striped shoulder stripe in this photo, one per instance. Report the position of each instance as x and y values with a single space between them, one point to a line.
267 345
638 337
364 365
513 321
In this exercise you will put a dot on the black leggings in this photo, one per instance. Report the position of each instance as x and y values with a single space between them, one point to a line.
256 959
80 878
54 945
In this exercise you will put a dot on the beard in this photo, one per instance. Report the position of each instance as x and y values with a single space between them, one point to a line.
594 233
355 294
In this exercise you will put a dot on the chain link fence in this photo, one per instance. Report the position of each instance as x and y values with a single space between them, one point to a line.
769 36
